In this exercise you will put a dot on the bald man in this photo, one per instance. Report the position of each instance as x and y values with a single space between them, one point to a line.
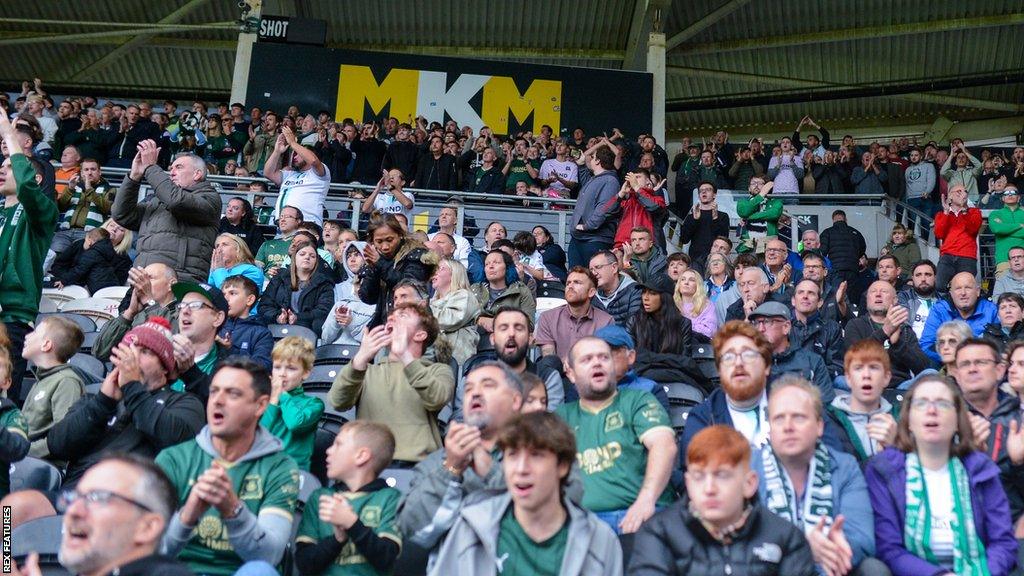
964 302
890 325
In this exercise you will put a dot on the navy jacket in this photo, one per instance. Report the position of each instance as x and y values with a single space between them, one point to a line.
249 337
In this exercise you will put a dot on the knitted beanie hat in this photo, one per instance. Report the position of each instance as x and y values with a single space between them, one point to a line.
154 334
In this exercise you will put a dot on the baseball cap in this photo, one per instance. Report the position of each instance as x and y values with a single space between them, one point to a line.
214 295
658 283
770 310
616 336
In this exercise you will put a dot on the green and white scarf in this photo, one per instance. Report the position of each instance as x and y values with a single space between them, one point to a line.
93 217
781 497
968 549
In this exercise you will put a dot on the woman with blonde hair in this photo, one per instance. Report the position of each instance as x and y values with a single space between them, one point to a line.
691 298
232 257
121 238
456 308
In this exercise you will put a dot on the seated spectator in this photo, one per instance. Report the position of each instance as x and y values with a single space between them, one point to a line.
868 178
58 385
489 178
835 305
948 338
979 369
89 263
963 303
353 523
1013 279
302 294
887 270
231 257
344 325
534 526
617 292
623 357
691 298
759 215
528 258
536 394
456 309
903 246
404 389
1005 225
177 223
678 262
779 271
811 331
721 520
754 288
559 328
273 254
240 219
292 415
643 257
233 477
497 291
1010 460
390 196
772 319
919 295
202 311
731 295
625 489
242 333
887 322
336 237
797 469
659 328
135 411
720 278
868 420
84 204
447 222
551 253
1010 327
935 445
150 296
14 442
70 167
390 258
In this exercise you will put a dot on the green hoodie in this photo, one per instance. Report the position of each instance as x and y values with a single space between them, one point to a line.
294 421
26 236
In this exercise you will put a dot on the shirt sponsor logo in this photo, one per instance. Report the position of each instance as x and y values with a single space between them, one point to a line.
594 460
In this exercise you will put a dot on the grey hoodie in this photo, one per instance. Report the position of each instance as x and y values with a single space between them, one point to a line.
920 179
471 546
346 295
859 420
263 537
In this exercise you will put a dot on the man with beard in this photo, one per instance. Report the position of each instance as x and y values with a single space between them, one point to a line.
811 331
963 303
436 170
624 442
305 185
559 328
887 322
773 320
919 296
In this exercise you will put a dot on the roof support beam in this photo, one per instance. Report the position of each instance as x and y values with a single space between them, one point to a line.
636 34
117 40
105 37
704 23
491 51
847 34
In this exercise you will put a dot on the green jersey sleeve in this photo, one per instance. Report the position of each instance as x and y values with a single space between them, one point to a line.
647 413
310 527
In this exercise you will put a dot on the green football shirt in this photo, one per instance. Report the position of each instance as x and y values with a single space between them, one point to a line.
11 420
610 450
266 485
378 510
519 555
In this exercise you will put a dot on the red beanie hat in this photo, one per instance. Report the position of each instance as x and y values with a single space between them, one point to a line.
154 334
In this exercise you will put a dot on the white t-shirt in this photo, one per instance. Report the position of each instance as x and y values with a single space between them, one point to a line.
567 170
386 203
306 191
940 500
921 316
536 261
753 423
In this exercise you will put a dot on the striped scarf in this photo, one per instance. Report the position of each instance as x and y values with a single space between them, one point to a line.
781 497
968 549
93 218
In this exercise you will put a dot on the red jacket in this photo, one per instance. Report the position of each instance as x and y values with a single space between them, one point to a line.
959 232
634 213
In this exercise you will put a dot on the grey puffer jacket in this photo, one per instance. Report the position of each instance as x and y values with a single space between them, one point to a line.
472 544
624 301
176 226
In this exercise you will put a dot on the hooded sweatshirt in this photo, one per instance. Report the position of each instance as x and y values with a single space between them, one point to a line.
345 294
49 400
855 425
266 481
249 337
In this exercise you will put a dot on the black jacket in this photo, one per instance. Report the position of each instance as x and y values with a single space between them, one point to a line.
701 232
823 337
995 333
843 245
315 301
369 158
674 542
806 364
143 422
253 236
828 178
491 182
402 155
554 260
92 268
153 565
670 368
379 280
436 173
906 354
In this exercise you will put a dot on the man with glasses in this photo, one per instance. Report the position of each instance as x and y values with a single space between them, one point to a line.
772 320
834 303
1012 280
202 310
616 291
780 273
1007 224
978 370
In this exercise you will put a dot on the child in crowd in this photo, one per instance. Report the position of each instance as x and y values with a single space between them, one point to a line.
243 333
292 416
351 527
14 443
536 393
54 341
868 420
526 254
89 263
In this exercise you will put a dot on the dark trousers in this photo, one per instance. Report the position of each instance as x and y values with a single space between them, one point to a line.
581 251
950 266
16 331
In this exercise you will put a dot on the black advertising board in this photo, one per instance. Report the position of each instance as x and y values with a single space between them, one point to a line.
286 30
506 96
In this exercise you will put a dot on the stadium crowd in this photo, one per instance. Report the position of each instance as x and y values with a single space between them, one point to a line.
608 408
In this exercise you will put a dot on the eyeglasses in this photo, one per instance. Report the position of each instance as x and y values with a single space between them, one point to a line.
809 266
747 355
764 322
194 305
286 217
598 267
95 497
979 363
775 250
923 404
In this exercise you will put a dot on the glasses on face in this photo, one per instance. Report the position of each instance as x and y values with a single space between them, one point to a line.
94 498
194 305
765 322
923 404
813 266
775 250
979 363
747 355
598 267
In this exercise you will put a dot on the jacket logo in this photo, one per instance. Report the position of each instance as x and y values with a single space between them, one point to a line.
768 552
613 421
370 516
252 488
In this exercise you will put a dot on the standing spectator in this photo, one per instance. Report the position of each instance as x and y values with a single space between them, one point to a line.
743 169
240 220
559 328
593 226
919 178
305 186
957 226
551 253
829 175
85 203
402 153
895 185
704 223
868 178
368 154
133 130
533 527
707 170
964 302
817 146
1013 279
392 200
786 169
262 136
617 292
965 173
638 206
888 323
177 225
303 294
759 215
403 390
436 170
488 178
31 218
1007 224
843 245
390 258
559 174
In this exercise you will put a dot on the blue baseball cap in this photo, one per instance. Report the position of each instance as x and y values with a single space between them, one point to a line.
616 336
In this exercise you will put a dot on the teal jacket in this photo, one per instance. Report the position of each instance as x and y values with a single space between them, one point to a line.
25 245
294 421
1008 227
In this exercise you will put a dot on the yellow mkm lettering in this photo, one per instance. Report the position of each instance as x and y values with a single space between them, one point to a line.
357 86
